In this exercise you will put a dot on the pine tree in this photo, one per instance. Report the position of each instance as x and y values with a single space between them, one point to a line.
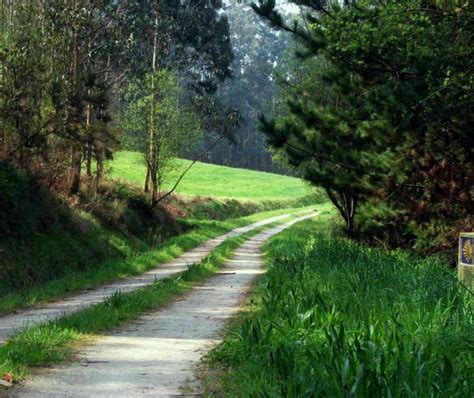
387 131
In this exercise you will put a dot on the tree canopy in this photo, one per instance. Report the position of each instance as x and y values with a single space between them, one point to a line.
66 65
384 120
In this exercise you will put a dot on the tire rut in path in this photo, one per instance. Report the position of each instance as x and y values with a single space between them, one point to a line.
156 355
12 324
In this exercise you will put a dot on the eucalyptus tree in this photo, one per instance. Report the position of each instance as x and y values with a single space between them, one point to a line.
258 55
88 37
26 115
67 63
188 37
159 124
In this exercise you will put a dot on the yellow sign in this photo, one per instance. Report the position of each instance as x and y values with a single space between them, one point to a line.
466 258
466 249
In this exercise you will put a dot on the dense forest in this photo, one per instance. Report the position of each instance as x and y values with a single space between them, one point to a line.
261 58
76 74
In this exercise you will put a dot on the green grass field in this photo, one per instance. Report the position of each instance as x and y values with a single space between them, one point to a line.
211 180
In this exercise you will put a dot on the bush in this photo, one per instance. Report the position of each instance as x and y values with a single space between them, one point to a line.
25 207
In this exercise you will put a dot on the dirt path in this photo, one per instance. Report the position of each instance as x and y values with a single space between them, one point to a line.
156 355
12 324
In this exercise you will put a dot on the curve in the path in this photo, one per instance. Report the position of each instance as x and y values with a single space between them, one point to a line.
156 355
14 323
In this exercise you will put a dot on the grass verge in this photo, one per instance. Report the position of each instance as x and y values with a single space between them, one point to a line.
55 341
116 269
333 318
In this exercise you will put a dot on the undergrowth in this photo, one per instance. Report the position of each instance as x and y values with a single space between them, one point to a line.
333 318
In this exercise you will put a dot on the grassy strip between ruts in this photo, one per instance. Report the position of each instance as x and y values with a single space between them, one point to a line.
55 341
134 265
334 318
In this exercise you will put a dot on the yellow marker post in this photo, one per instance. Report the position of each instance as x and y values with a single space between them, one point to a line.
466 258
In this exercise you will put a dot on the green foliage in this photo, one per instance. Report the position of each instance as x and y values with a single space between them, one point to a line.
21 204
63 68
158 124
335 318
193 39
41 238
384 116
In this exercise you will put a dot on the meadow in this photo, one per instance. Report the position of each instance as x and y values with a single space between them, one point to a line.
212 180
333 318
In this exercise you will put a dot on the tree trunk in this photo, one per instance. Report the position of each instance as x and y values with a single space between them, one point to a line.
147 180
346 204
76 158
154 191
99 169
89 159
75 172
89 140
151 173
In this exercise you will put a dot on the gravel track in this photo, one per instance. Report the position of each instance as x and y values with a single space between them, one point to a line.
14 323
156 355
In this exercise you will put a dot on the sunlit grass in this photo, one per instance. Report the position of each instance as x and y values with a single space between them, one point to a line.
333 318
211 180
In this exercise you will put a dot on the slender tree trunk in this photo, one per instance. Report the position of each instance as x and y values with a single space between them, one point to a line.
76 171
347 206
76 158
99 171
147 179
152 160
89 140
154 192
89 159
350 209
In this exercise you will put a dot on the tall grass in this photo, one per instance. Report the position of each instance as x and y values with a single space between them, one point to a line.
337 319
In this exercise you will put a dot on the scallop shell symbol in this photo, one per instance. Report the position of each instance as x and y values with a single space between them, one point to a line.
468 250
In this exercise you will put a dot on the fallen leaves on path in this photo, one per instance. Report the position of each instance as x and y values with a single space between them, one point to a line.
7 380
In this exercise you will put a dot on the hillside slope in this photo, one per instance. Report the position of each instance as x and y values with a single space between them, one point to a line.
211 180
45 236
